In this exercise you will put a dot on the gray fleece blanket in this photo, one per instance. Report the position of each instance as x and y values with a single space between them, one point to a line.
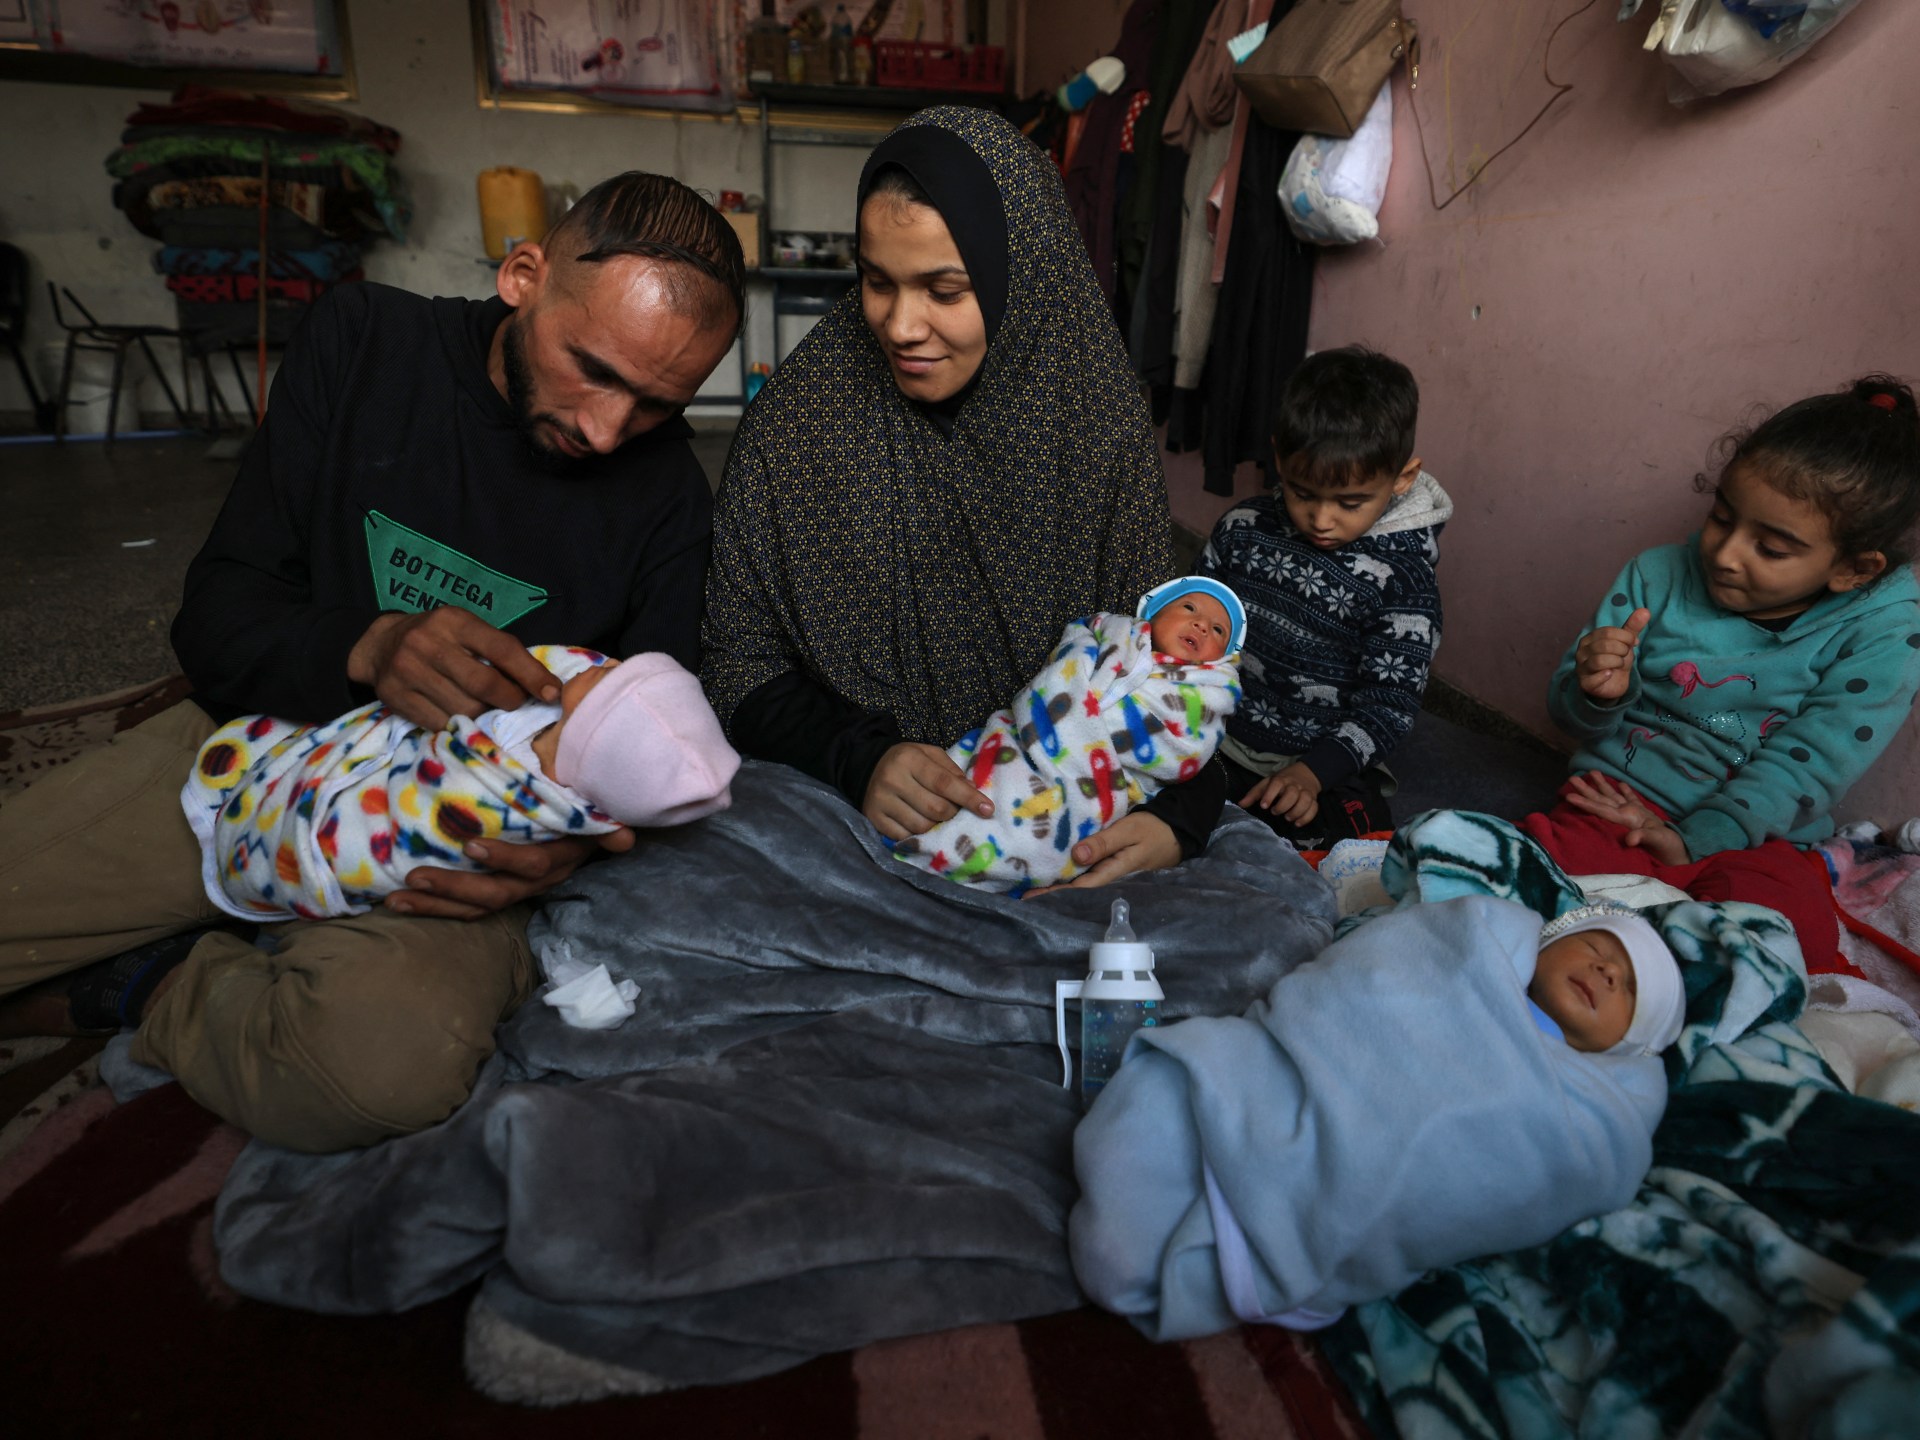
836 1116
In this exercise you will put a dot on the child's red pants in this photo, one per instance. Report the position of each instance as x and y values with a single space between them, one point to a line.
1774 874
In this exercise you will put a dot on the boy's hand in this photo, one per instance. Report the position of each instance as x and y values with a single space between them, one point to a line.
1604 660
1292 793
1607 798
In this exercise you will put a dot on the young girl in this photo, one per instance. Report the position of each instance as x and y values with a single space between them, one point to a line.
1733 687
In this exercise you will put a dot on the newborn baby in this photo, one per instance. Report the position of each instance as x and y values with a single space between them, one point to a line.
1448 1080
307 821
1127 704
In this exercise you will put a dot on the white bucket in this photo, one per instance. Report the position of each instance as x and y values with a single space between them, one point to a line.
92 382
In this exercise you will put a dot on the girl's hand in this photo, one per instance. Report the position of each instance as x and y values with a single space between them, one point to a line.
1603 662
1607 798
914 788
1294 792
1134 842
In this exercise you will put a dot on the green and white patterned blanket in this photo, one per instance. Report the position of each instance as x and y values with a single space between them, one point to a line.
1764 1282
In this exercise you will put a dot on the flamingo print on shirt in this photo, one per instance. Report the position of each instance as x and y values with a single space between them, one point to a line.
1688 677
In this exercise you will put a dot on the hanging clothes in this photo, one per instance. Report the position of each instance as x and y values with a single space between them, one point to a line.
1260 322
1093 176
1146 198
1199 124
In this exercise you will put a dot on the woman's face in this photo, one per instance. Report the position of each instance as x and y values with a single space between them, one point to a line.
918 299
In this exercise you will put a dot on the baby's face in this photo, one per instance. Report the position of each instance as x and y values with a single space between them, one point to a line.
573 691
1584 982
546 745
1192 629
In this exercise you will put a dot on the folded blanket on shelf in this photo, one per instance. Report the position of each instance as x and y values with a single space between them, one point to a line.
230 289
333 260
363 178
197 107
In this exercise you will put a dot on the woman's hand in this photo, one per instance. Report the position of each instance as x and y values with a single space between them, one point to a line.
914 788
1603 661
1607 798
1134 842
1294 792
515 872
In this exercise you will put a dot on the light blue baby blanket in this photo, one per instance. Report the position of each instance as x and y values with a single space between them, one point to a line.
1389 1108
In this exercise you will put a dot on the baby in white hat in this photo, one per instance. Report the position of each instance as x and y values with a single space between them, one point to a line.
310 821
1606 983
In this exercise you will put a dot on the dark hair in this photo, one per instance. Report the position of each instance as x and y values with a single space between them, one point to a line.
897 183
1854 454
659 218
1346 416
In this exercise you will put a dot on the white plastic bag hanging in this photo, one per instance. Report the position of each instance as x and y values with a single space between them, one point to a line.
1330 190
1714 46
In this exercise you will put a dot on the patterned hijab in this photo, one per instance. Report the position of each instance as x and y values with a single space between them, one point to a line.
928 574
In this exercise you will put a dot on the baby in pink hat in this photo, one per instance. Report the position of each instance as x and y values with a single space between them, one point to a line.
309 821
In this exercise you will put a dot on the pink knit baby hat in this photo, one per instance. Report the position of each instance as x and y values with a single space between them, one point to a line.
645 746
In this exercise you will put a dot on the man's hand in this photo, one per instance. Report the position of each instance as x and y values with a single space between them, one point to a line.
1603 661
1134 842
516 873
445 662
914 788
1607 798
1293 792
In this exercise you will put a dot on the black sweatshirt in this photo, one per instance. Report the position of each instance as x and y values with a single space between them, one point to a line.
390 476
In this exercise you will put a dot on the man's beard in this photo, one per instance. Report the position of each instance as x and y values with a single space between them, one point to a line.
520 400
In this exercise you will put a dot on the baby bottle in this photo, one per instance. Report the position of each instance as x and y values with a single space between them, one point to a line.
1118 997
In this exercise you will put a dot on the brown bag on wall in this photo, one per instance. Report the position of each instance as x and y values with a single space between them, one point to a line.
1323 62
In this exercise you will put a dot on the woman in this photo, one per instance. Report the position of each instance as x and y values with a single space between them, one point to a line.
954 464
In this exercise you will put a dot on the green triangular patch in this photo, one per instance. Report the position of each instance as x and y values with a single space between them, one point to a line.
415 572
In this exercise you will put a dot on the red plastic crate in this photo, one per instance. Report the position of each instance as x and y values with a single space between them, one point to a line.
922 65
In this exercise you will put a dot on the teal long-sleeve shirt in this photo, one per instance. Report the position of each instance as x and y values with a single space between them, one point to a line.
1741 733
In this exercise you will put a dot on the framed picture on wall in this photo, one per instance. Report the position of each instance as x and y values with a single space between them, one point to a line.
17 25
299 46
665 54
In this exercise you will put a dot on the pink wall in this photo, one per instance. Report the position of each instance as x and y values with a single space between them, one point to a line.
1641 276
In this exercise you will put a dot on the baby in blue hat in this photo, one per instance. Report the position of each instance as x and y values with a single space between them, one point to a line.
1126 704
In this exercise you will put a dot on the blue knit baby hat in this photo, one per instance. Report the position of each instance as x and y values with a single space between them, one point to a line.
1160 596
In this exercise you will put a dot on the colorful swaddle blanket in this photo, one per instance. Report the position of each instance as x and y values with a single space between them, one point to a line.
1098 731
308 821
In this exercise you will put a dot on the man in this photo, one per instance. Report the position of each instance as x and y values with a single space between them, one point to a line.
437 482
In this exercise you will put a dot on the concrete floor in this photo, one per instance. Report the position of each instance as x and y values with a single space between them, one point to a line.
97 539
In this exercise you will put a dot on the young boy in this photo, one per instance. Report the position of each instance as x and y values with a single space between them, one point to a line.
1337 572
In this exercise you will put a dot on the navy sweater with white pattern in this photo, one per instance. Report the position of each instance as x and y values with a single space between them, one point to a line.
1339 642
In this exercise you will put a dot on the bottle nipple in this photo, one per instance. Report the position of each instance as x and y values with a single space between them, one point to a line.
1119 932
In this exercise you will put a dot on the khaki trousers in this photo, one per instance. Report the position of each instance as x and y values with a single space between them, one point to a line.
346 1032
